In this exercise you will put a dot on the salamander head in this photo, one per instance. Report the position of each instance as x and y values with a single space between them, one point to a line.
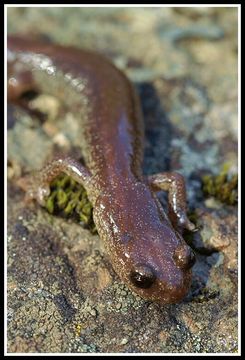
159 274
165 280
145 251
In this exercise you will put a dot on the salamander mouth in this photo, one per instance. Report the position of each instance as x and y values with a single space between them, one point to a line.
142 276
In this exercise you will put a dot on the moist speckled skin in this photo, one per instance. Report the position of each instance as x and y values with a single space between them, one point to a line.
129 218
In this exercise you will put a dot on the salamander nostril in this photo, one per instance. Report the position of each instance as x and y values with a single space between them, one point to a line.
184 257
142 276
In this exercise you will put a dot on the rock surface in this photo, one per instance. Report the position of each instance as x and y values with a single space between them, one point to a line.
63 295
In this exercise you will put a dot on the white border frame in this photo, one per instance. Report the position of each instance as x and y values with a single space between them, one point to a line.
238 6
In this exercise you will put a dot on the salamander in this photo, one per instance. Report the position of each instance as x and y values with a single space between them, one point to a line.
145 245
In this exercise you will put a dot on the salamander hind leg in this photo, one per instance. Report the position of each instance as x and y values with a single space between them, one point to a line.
37 186
19 82
175 185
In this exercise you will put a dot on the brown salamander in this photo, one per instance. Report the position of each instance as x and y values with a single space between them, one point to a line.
146 249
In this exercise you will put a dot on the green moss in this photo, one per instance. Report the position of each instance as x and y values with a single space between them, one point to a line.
222 186
69 199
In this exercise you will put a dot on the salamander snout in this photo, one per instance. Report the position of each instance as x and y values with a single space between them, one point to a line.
142 276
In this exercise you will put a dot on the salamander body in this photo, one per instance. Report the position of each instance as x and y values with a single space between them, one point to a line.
146 249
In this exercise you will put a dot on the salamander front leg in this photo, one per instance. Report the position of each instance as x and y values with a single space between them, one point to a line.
175 185
37 185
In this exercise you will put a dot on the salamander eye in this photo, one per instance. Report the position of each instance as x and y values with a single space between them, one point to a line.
184 257
142 276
